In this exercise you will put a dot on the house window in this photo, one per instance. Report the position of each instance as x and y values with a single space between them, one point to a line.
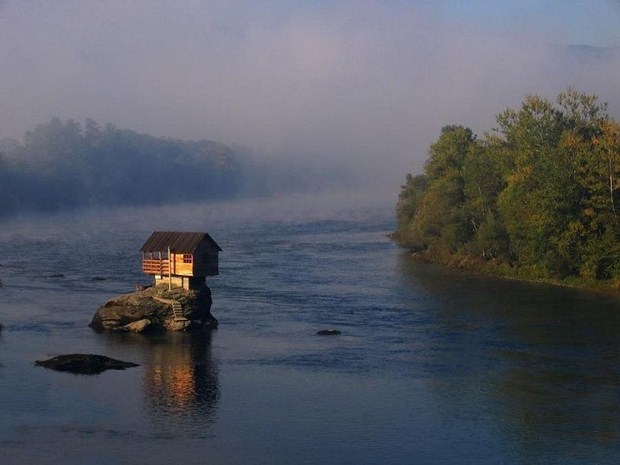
187 258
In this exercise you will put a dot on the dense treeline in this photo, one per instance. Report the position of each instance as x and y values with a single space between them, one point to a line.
64 164
537 197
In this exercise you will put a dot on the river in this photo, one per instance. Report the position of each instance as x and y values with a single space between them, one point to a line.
432 366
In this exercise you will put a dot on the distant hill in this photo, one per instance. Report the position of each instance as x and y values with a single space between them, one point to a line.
589 51
577 57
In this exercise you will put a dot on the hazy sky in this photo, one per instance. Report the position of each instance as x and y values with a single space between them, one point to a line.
365 82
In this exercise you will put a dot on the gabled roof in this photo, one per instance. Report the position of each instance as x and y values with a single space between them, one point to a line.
179 242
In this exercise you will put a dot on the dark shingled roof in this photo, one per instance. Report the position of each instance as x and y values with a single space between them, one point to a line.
179 242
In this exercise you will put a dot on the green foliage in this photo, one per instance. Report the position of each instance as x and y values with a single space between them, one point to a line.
540 194
448 154
406 208
429 208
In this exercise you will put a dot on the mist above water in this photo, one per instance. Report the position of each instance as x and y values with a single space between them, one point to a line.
363 85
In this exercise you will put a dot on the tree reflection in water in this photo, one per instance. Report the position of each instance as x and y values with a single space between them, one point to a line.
539 362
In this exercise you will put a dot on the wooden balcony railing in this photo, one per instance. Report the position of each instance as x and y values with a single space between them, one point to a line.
155 266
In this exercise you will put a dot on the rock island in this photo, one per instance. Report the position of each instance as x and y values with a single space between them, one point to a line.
179 298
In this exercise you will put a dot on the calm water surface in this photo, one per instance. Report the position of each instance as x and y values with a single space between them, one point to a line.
432 367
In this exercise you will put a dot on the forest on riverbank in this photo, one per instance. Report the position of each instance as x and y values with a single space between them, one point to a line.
536 198
63 165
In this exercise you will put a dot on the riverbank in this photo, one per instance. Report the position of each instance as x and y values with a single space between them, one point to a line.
498 269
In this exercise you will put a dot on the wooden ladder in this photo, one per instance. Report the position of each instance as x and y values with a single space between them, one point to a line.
177 311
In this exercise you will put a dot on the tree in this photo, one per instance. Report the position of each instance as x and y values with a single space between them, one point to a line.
541 193
484 175
409 201
430 206
542 204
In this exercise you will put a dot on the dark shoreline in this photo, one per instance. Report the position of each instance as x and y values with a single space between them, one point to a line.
489 269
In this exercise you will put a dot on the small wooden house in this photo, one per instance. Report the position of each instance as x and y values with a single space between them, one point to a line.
182 259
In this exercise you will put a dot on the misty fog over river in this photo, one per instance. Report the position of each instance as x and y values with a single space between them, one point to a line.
432 366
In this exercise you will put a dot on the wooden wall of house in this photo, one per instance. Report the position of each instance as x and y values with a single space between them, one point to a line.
204 262
179 267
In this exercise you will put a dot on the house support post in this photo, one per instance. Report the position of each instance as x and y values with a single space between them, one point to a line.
169 270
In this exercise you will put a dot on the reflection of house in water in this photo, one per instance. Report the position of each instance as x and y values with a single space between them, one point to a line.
181 379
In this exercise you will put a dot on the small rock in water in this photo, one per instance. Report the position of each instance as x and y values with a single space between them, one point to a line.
84 364
328 332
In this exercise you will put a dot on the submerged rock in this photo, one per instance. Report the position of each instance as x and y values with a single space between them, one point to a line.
138 326
328 332
84 364
156 308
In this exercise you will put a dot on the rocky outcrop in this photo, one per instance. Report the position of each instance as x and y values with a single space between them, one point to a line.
84 364
156 308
